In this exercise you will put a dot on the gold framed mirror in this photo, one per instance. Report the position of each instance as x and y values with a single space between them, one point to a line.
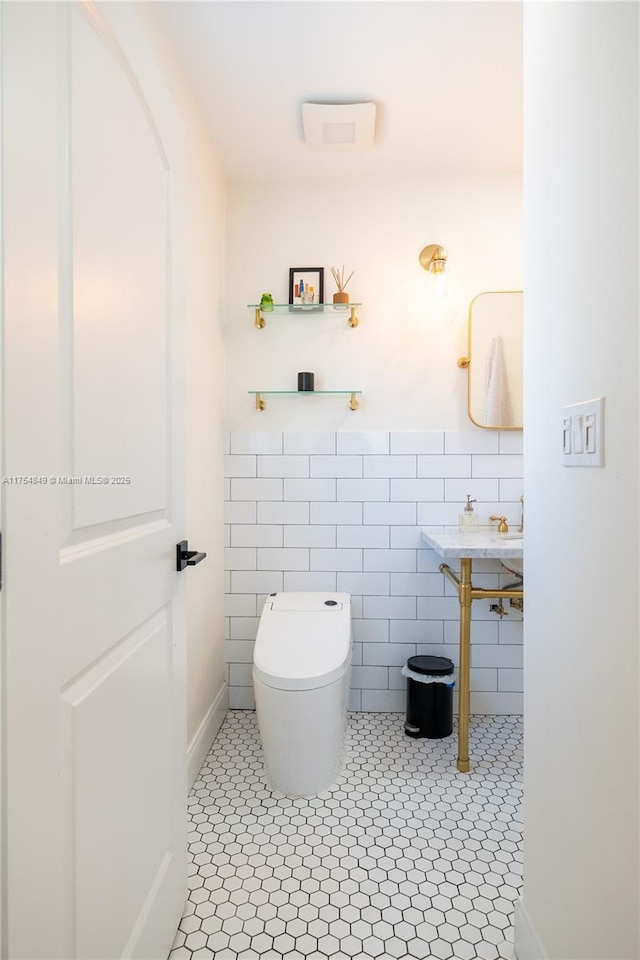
494 360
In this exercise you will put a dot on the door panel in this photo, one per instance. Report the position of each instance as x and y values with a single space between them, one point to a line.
93 610
121 276
119 852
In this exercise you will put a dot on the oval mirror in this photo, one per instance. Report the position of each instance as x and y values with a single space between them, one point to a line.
494 362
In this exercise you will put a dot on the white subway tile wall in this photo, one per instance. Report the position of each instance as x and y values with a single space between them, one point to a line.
343 511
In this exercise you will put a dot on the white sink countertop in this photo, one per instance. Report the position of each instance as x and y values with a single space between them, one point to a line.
484 542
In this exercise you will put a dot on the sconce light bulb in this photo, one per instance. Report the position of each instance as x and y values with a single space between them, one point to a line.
441 300
439 283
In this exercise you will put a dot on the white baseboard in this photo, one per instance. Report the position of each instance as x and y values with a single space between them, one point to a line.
527 944
206 733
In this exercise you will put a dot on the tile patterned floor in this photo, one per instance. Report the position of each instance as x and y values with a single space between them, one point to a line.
404 857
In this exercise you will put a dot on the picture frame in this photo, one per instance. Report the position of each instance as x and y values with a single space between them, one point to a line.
306 288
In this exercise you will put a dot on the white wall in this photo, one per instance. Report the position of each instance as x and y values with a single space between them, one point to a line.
340 508
406 367
343 512
205 257
581 888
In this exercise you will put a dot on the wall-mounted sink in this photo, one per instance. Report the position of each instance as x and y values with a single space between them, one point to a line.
515 563
483 542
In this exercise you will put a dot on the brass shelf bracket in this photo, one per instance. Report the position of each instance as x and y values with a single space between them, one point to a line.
260 321
353 402
260 404
353 320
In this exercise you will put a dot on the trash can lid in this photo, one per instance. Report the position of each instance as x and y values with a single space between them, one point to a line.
431 666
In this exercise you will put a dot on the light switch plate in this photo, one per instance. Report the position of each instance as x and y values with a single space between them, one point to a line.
582 440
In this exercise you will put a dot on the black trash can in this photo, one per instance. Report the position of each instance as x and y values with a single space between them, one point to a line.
430 702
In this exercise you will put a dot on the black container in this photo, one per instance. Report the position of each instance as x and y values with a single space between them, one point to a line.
305 381
429 705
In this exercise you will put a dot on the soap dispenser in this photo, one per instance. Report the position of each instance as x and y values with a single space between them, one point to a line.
468 520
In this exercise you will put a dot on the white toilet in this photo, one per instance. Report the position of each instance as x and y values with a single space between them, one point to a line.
301 666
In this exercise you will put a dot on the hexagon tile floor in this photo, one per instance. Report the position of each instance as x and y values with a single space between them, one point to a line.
404 857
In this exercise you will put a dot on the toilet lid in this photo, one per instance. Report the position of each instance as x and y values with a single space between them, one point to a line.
304 640
309 601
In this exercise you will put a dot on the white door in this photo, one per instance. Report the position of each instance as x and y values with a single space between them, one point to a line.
93 616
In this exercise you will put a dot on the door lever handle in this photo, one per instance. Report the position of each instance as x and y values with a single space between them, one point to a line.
186 557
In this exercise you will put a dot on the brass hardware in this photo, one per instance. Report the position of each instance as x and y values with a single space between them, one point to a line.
479 593
498 608
449 574
466 594
260 322
464 695
521 527
517 603
484 593
260 404
503 527
353 320
433 258
464 362
353 402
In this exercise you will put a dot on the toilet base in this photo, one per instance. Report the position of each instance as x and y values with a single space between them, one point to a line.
302 733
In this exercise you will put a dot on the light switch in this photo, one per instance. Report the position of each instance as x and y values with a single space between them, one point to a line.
577 442
590 433
583 434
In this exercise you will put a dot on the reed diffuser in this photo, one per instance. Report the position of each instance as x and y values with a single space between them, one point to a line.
341 298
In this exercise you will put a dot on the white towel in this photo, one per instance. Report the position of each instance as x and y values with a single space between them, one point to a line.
498 408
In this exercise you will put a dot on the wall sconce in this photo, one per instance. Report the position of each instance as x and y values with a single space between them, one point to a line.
440 298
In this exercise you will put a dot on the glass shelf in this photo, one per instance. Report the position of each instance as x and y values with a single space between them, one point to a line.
288 308
261 403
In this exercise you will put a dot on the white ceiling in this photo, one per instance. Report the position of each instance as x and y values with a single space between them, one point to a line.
446 78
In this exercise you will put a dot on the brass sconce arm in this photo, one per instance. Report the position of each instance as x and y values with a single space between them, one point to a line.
433 258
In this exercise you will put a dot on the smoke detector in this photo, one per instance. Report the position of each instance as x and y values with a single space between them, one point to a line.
339 127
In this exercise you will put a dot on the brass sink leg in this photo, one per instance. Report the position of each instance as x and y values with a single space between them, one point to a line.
466 595
465 598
